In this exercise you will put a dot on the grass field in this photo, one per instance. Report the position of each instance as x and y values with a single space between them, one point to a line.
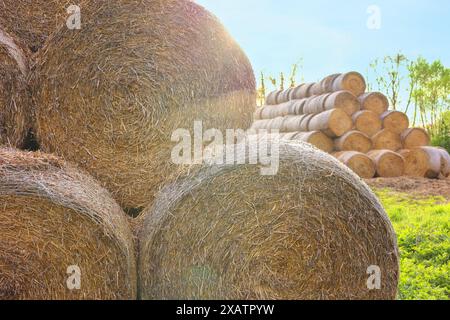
423 230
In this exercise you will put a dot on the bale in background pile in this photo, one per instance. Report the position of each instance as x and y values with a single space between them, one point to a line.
309 232
354 141
375 102
32 21
387 140
414 137
110 96
388 163
426 162
15 108
367 122
53 217
358 162
395 121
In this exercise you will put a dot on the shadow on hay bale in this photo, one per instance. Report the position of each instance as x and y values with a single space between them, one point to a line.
32 21
53 217
226 232
110 100
15 103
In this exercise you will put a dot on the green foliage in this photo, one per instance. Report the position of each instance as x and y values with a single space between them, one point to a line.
423 232
442 137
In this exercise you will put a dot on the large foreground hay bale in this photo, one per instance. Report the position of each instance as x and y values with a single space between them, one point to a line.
109 96
53 217
309 232
14 96
32 21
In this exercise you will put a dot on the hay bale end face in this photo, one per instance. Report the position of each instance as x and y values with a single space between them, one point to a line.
367 122
358 162
15 104
395 121
415 137
375 102
388 163
387 140
233 225
114 114
52 218
354 141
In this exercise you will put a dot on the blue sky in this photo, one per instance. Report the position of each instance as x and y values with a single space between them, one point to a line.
332 36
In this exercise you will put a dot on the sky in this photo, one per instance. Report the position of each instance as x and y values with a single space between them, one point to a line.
334 36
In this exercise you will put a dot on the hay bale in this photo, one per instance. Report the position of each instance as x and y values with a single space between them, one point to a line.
426 162
354 141
395 121
388 163
358 162
334 123
272 97
52 217
387 139
367 122
374 101
309 232
315 138
33 21
110 96
414 137
350 81
302 91
327 82
15 104
337 100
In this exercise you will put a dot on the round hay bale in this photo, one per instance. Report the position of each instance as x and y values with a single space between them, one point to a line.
358 162
445 163
354 141
387 139
316 89
350 81
334 123
15 104
415 137
327 82
395 121
292 123
311 231
272 97
284 96
374 101
344 100
302 91
110 95
422 162
316 138
33 21
388 163
367 122
54 217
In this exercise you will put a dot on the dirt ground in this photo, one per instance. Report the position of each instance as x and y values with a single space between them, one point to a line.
418 186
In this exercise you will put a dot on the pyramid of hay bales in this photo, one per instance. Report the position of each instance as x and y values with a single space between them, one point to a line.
107 97
338 116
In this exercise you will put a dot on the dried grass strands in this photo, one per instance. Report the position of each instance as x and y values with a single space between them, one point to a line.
53 216
309 232
15 103
32 21
110 95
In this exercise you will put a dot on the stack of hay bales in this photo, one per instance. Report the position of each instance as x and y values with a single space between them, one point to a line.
108 97
354 125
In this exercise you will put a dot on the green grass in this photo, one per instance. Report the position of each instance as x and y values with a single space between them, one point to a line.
423 232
